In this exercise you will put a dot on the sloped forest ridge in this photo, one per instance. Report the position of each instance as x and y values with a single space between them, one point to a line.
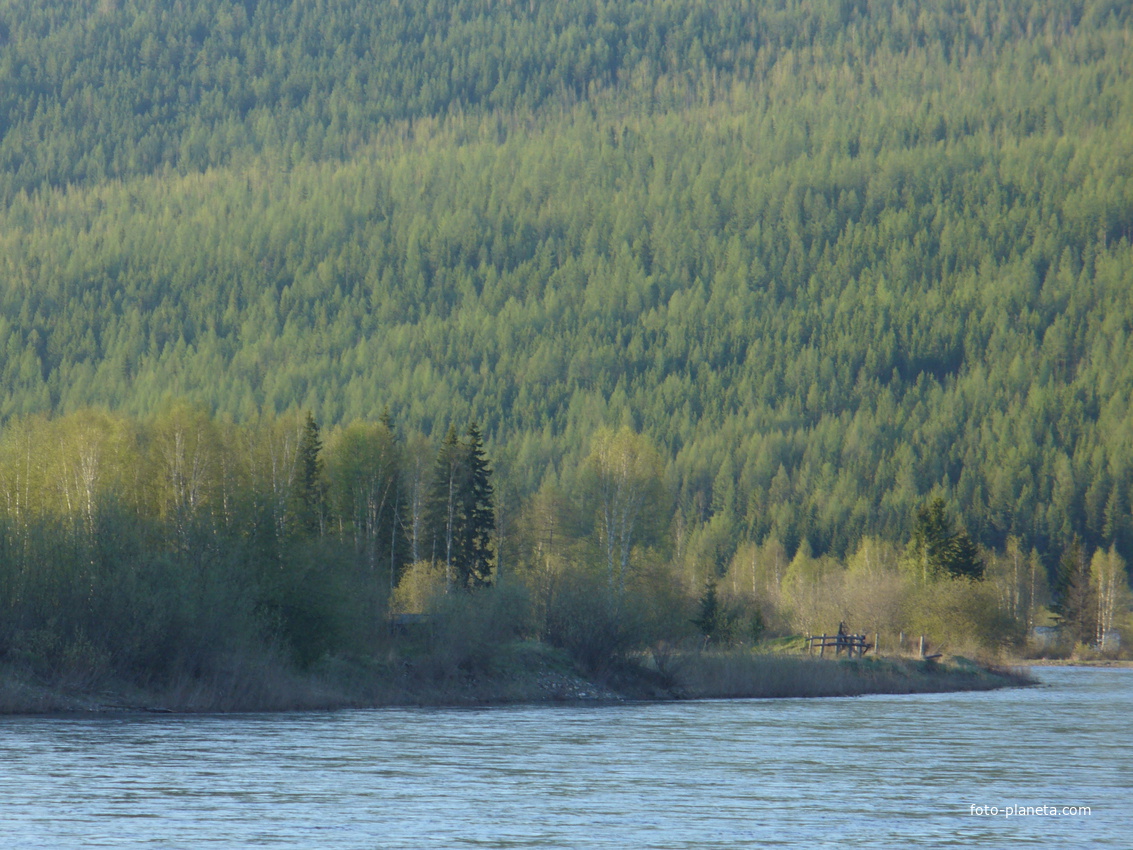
844 288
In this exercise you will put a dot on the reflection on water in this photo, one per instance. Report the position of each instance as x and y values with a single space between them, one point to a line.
864 772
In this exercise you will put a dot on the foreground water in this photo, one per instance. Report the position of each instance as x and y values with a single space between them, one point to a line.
901 771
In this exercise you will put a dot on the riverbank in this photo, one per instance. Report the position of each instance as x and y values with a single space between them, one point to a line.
746 675
528 673
1070 662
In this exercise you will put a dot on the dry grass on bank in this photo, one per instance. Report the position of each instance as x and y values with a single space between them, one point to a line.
528 672
521 672
268 688
737 674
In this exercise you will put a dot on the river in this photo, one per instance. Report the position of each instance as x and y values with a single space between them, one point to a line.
880 771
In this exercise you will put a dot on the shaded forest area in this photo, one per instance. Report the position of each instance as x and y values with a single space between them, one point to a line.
832 261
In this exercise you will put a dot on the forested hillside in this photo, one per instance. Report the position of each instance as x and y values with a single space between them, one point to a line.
829 257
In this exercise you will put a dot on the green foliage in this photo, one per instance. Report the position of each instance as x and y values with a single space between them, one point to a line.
468 633
757 626
585 619
1075 601
716 622
307 500
963 616
808 265
194 565
937 550
824 265
477 512
460 517
365 485
625 489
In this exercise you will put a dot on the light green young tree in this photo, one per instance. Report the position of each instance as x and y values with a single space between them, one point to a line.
363 475
628 493
1019 580
875 590
185 448
812 589
88 453
1111 591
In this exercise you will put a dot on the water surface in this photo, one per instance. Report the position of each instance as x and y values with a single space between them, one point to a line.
899 771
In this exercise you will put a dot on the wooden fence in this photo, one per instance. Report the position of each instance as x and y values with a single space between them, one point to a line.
852 644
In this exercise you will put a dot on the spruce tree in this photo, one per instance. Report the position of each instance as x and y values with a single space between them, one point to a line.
478 517
962 557
1075 604
459 515
715 621
307 492
940 551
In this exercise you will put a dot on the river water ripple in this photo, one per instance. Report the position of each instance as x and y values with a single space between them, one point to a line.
882 771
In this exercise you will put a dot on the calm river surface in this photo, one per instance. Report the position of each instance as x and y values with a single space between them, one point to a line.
881 771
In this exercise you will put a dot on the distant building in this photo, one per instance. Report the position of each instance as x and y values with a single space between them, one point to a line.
1046 637
1111 640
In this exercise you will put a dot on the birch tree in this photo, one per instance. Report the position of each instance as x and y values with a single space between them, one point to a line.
185 448
415 472
270 447
86 456
443 504
363 473
1107 575
628 491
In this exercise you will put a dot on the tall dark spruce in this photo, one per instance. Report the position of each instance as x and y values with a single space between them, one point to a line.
460 518
477 513
308 491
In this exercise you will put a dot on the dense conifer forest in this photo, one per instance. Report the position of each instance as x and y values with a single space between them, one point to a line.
820 279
